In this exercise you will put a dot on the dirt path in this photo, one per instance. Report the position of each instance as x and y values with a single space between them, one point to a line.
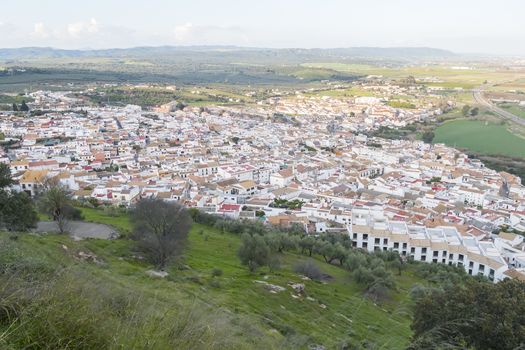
80 229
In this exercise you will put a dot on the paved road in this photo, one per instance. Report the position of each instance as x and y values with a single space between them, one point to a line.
478 96
80 229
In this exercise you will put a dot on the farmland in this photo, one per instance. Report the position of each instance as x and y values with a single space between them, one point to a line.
480 136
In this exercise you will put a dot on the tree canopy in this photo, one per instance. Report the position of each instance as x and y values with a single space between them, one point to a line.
160 229
478 315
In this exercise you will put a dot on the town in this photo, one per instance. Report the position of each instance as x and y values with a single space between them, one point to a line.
305 161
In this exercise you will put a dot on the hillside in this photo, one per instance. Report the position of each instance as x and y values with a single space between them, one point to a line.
59 285
224 52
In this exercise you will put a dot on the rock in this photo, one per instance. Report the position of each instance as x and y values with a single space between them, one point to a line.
298 287
310 299
295 296
322 306
89 257
65 247
156 274
273 288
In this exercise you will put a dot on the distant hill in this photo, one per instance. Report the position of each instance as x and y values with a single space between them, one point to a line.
214 51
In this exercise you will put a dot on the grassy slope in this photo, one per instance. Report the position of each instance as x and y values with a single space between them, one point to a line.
282 320
478 136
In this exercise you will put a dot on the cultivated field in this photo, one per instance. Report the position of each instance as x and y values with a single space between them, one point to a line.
480 136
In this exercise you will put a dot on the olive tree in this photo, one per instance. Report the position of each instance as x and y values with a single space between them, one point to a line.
55 201
253 252
160 229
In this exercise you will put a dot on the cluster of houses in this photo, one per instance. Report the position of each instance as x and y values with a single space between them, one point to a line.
429 202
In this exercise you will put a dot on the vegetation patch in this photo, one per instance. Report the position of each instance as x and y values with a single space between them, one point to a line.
480 136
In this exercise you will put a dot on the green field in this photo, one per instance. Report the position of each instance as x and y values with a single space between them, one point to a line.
480 136
336 311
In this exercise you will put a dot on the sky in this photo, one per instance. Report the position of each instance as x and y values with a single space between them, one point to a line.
464 26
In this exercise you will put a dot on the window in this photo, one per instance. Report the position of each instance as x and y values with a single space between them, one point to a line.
424 250
450 256
385 249
460 257
385 241
436 253
471 264
396 245
377 241
404 246
355 236
412 250
423 258
434 260
481 268
444 253
365 244
365 236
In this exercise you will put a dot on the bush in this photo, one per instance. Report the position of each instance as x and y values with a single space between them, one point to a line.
309 269
215 284
216 272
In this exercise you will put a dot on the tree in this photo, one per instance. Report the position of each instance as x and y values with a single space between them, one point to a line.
17 211
279 241
326 249
253 252
465 110
5 176
363 275
476 315
55 201
428 136
397 264
354 260
15 107
307 243
340 253
24 107
474 111
160 230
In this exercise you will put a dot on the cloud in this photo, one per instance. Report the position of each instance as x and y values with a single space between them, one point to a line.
40 31
82 28
190 34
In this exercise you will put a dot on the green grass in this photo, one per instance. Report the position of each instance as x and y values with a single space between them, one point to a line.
120 222
276 320
480 136
347 313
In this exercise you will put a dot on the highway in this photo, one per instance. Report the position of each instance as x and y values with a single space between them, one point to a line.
478 96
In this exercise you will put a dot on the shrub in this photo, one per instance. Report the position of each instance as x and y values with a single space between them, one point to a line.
216 272
309 269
